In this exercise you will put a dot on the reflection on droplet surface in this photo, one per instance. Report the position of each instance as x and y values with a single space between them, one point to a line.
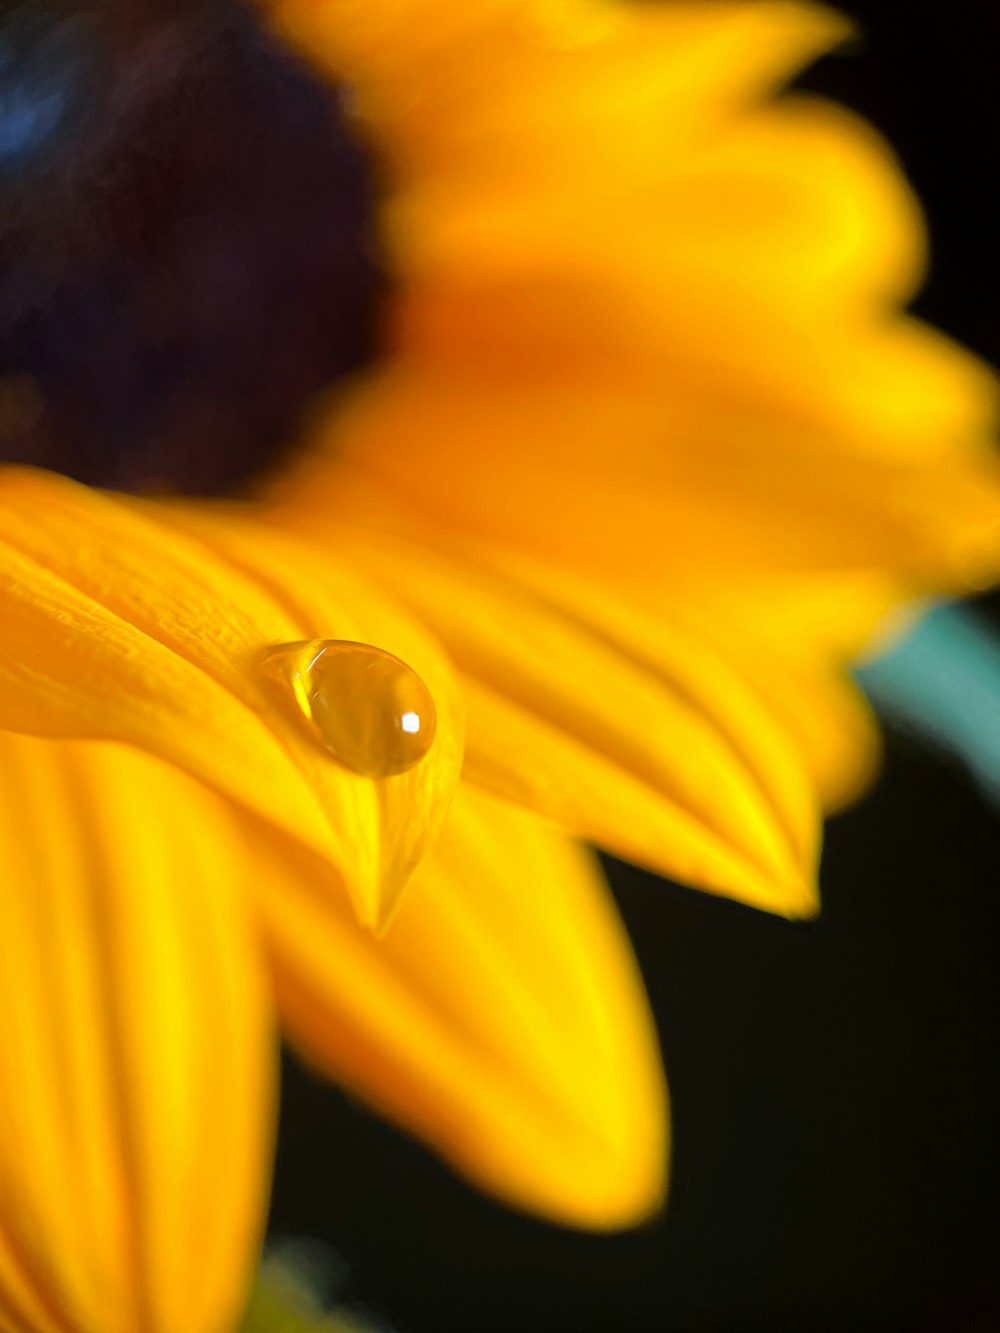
370 710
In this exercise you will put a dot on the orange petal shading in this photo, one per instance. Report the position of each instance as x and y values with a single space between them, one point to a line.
502 1017
135 1049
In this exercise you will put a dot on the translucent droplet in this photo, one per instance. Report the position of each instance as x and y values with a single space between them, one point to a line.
371 711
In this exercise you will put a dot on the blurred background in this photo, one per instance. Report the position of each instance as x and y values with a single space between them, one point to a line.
835 1085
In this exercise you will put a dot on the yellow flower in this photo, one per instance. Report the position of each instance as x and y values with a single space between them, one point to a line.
651 456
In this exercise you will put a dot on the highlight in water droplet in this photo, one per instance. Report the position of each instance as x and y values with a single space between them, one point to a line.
369 709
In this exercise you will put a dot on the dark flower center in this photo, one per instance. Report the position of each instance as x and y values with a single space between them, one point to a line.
187 246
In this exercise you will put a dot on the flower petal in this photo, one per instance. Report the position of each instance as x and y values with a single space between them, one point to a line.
502 1018
118 626
732 386
315 588
641 478
135 1050
826 716
793 639
618 725
577 71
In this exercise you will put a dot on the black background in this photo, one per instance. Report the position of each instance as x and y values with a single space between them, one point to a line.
835 1085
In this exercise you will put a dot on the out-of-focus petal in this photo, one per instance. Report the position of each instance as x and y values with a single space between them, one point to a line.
135 1051
793 212
569 82
792 639
827 718
732 385
118 626
653 483
502 1017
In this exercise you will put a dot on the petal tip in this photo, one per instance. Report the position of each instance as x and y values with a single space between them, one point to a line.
620 1188
803 902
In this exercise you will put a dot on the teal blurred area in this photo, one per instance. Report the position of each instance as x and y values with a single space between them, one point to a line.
941 682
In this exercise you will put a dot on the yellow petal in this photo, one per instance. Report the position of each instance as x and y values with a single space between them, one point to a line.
794 212
793 638
502 1018
135 1051
797 204
642 481
120 627
317 588
829 719
730 387
623 729
693 668
576 72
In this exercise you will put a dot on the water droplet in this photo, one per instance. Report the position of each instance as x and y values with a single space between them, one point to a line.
370 710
